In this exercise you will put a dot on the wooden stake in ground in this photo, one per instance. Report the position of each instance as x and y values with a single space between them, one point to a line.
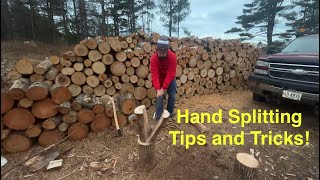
245 167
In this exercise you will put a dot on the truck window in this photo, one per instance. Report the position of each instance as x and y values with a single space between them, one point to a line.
309 44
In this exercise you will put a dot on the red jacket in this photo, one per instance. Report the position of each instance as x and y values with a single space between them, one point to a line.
163 71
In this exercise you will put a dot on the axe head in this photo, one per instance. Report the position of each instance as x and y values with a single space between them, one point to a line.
159 108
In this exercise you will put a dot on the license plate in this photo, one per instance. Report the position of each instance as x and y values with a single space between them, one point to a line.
292 95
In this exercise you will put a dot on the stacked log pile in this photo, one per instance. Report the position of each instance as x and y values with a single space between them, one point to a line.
69 95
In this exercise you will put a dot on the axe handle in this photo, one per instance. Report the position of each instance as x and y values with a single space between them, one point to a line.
115 113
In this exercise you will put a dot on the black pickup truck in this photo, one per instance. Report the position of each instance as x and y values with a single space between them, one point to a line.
291 74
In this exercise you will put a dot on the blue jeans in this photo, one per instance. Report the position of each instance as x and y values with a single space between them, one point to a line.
172 95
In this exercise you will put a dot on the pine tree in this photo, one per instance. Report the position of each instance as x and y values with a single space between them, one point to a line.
259 17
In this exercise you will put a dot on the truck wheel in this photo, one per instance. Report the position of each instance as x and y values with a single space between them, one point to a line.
258 97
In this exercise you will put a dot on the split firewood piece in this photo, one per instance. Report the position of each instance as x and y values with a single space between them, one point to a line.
245 167
155 131
18 90
143 123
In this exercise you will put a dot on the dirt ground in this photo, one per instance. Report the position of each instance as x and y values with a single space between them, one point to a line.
178 163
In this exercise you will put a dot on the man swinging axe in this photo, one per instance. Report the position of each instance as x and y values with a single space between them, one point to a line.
163 71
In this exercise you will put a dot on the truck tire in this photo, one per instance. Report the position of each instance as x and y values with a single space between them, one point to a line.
258 97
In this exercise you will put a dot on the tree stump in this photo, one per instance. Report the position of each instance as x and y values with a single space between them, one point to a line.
245 167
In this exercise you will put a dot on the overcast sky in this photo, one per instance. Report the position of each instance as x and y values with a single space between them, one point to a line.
211 18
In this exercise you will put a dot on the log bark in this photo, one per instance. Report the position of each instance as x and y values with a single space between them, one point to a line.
70 117
43 66
18 90
44 109
18 119
52 122
5 133
245 167
64 108
76 104
63 127
98 107
127 103
16 143
52 74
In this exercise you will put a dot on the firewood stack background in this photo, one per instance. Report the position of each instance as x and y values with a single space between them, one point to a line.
69 95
